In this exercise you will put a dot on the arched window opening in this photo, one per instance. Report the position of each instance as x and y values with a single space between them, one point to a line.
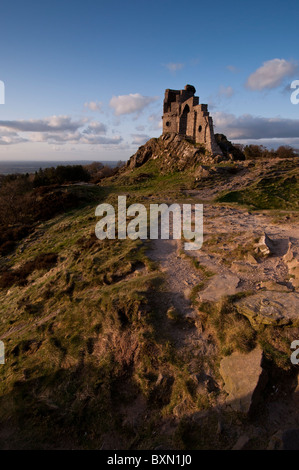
183 120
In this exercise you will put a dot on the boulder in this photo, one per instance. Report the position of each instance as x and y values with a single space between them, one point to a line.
203 172
270 308
266 246
220 286
251 259
291 259
271 285
244 379
143 154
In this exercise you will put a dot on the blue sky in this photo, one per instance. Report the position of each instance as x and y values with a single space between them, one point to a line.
85 80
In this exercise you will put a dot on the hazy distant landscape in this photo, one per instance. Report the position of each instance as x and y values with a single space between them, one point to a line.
9 167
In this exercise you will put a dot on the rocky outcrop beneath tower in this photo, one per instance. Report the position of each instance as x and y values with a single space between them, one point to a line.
173 152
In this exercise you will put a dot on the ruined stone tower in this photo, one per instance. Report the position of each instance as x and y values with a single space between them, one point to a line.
182 114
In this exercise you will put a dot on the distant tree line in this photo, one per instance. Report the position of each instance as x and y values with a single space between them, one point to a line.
63 174
92 173
257 152
60 175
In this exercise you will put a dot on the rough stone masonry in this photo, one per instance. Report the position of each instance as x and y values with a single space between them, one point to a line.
182 114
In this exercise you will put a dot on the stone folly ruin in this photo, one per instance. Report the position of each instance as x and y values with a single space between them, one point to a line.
182 114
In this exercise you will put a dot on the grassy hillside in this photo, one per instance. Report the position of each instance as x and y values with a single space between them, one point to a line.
90 358
84 340
278 188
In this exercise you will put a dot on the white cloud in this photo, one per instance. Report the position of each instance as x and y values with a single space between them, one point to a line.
75 138
52 138
255 127
95 127
174 66
93 105
101 140
56 131
129 104
11 138
49 124
271 74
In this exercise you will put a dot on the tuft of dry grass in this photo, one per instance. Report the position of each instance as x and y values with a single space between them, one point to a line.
231 330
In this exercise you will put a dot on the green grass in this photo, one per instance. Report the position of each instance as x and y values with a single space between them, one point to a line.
148 181
232 331
83 337
278 190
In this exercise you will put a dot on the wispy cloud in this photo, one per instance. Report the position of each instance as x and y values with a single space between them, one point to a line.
130 104
75 138
271 74
9 137
174 66
56 131
93 105
53 123
226 91
101 140
95 127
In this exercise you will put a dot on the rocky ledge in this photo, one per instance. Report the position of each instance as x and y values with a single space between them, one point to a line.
271 308
176 152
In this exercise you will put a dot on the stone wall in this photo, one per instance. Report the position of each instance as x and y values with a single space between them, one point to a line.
185 116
